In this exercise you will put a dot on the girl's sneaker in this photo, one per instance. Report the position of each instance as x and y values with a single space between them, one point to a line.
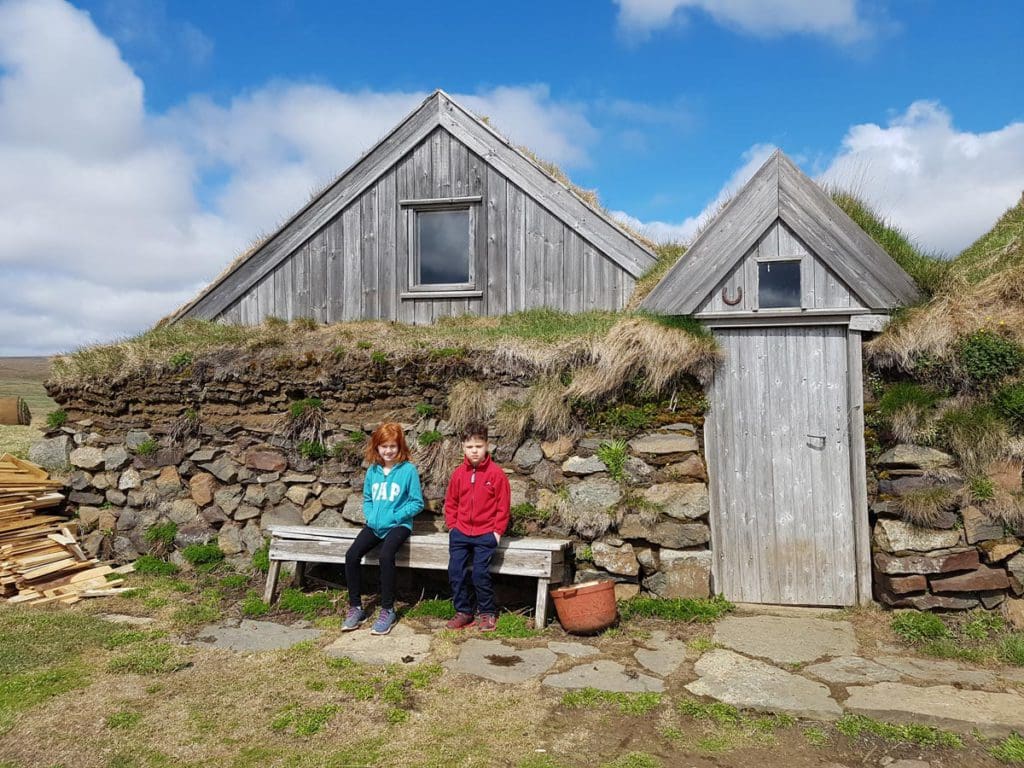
385 621
353 619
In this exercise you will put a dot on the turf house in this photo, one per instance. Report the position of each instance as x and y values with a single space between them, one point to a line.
740 419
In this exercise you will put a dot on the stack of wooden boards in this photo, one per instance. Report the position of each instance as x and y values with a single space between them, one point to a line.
40 560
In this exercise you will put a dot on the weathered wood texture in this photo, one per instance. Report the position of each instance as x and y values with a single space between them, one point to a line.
821 288
853 262
357 266
543 559
345 254
779 461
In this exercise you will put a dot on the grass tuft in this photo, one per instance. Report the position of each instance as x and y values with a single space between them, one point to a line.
635 704
1010 749
854 726
435 609
675 609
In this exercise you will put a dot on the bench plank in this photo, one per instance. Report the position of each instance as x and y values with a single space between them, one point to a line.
507 542
542 559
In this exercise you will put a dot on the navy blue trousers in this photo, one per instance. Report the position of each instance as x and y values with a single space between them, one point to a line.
469 562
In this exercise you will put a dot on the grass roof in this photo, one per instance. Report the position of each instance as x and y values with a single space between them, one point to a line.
981 289
535 342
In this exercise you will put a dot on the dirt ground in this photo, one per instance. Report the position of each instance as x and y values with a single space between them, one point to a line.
23 377
75 690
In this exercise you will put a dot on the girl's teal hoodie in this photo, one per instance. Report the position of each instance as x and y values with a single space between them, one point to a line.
391 500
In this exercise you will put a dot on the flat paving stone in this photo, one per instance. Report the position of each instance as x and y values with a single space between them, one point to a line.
751 684
852 669
605 676
402 645
786 640
662 656
992 714
938 671
123 618
493 660
248 635
575 650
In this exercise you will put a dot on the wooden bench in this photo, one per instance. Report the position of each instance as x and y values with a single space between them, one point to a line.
543 559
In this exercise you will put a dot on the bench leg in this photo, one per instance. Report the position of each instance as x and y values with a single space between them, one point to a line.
300 574
540 616
272 574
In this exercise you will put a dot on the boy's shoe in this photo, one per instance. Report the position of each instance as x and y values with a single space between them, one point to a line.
385 621
461 621
486 622
353 619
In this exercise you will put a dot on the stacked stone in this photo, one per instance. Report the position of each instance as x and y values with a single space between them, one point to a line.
964 560
229 484
662 548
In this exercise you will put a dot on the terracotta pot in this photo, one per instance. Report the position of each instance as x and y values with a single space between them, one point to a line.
586 608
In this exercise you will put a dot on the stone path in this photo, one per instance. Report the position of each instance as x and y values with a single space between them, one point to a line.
801 665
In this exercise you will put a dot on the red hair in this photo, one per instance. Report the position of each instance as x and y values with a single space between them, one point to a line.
390 432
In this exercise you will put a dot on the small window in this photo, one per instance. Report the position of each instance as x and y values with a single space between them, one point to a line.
443 252
778 284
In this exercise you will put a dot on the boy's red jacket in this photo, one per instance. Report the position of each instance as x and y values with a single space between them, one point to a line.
478 499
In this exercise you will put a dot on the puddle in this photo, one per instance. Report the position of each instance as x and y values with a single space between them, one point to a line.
504 661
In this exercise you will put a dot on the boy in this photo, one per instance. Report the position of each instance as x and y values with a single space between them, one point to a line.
476 511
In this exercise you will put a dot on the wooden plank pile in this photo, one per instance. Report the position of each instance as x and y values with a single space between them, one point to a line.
40 560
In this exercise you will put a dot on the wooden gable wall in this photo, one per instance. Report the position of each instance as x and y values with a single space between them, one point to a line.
356 267
821 287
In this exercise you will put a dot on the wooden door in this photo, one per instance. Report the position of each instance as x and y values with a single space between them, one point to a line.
779 461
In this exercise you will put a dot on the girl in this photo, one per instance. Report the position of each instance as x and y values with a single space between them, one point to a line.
391 499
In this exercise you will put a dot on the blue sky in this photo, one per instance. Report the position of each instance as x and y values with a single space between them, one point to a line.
147 143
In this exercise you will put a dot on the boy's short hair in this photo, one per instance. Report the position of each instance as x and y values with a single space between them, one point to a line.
474 429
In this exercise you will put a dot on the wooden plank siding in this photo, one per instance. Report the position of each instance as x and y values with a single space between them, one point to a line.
821 287
779 465
357 266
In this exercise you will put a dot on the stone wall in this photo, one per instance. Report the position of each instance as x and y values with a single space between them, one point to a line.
962 558
237 474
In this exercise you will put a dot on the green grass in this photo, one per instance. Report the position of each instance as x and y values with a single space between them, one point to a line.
435 609
27 689
253 606
149 565
928 271
124 720
854 726
308 605
203 556
196 614
1010 749
634 760
635 704
1011 649
675 609
918 626
304 721
718 712
514 625
613 455
147 659
998 249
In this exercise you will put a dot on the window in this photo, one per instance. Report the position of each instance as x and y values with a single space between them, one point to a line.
778 284
443 248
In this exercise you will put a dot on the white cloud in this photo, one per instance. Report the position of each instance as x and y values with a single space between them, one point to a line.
838 20
102 231
941 185
684 231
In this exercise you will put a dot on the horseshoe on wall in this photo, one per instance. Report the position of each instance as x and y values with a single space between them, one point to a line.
732 302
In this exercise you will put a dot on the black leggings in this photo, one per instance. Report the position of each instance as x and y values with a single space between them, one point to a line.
366 541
